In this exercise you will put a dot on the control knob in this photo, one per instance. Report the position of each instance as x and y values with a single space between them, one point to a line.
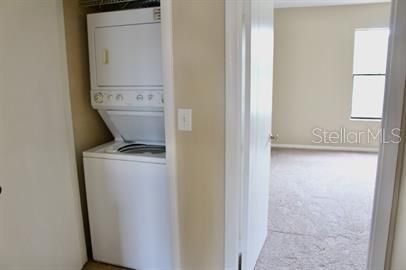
119 97
140 97
98 98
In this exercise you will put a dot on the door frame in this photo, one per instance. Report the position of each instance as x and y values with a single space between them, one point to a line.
390 155
170 123
390 159
234 142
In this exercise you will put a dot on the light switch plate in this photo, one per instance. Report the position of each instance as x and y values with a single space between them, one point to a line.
185 119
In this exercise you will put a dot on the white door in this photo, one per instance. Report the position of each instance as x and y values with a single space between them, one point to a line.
128 55
258 116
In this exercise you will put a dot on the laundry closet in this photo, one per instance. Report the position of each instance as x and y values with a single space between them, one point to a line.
127 183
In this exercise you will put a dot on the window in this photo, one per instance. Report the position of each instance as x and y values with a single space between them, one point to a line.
370 54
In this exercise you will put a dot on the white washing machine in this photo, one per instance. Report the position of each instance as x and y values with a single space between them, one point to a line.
126 180
129 208
128 191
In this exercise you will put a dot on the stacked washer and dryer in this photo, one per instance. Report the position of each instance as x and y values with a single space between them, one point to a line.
126 180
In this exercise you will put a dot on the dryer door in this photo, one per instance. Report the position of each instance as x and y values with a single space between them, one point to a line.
132 126
128 55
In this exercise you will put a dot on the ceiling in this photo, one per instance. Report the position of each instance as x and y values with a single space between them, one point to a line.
312 3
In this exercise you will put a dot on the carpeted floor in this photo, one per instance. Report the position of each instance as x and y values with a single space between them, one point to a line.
320 210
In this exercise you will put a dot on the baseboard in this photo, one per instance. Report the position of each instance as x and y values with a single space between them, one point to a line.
326 148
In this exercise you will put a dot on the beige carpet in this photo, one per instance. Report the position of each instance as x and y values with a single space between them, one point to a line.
320 210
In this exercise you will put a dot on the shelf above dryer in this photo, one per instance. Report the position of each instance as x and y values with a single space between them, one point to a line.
98 3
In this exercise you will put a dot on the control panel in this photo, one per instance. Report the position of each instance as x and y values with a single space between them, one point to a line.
134 99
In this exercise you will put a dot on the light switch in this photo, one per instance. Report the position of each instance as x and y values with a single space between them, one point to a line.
185 119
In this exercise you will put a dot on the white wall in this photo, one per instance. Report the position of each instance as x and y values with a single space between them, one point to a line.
313 69
40 218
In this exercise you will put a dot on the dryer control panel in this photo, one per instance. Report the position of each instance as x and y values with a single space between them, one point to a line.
128 100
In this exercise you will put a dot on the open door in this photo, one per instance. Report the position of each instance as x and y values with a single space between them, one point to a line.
257 121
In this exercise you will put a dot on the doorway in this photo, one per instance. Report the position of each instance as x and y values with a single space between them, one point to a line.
350 194
329 77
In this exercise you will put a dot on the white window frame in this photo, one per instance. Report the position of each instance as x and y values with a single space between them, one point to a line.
354 75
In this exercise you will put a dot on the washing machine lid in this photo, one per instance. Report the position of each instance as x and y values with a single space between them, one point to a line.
135 126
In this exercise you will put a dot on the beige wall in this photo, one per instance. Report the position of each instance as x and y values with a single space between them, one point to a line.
89 129
199 85
313 69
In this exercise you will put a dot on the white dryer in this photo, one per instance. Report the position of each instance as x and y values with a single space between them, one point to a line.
126 180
